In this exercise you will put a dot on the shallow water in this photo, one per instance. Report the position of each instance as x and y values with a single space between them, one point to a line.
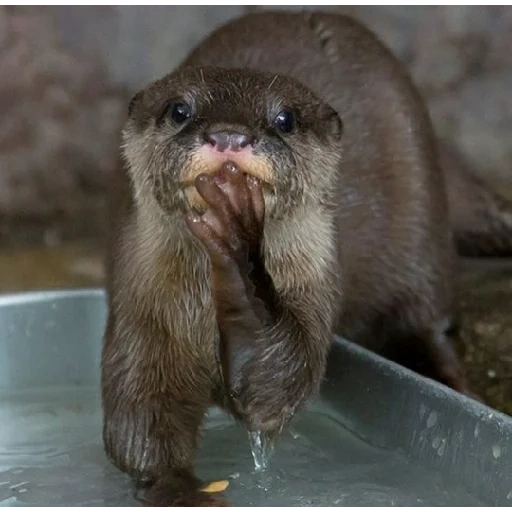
51 454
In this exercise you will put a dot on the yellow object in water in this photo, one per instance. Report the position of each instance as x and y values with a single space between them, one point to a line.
218 486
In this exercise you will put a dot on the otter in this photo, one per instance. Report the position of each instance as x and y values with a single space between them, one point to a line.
281 185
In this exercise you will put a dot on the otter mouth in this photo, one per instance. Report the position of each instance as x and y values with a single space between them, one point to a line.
195 200
200 163
221 180
207 163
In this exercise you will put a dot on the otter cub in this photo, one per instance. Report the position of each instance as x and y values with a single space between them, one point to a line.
282 185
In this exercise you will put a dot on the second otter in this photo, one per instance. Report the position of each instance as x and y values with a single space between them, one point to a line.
275 193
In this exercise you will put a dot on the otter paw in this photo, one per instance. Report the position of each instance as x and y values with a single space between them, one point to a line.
181 488
189 499
264 401
231 229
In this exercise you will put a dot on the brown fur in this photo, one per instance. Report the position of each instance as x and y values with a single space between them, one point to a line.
355 240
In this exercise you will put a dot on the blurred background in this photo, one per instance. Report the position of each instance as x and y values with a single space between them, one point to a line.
67 74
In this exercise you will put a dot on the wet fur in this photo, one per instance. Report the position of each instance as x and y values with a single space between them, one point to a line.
355 238
164 271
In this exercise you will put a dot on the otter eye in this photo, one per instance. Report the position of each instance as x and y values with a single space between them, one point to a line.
285 121
180 112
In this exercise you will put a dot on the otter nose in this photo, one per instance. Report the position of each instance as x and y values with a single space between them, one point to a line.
223 140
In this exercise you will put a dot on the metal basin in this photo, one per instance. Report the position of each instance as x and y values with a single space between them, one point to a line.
378 435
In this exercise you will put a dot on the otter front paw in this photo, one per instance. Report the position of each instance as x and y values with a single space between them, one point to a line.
264 398
262 381
231 231
181 488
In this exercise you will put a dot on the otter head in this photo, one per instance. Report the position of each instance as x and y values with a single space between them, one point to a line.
193 120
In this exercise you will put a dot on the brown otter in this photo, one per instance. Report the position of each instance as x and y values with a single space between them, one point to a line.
282 185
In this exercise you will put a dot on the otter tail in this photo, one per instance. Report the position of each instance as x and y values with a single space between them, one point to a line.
481 218
178 488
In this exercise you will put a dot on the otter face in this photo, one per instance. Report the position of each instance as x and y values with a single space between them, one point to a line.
193 120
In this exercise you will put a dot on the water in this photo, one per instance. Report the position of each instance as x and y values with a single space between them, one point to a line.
51 454
262 449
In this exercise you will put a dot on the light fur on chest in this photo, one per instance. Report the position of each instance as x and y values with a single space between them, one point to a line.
298 252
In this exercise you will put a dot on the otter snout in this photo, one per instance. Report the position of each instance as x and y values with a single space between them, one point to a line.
228 140
221 143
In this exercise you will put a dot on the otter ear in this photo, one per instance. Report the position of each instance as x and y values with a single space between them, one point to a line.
133 103
332 121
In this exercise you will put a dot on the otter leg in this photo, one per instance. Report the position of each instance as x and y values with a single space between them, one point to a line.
272 353
148 433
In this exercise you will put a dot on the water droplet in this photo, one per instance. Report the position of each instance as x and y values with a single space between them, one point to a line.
442 448
294 434
432 419
496 451
476 432
17 486
262 448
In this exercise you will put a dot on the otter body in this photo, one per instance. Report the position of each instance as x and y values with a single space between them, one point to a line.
282 185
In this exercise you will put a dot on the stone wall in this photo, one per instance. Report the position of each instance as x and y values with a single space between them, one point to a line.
60 115
461 59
